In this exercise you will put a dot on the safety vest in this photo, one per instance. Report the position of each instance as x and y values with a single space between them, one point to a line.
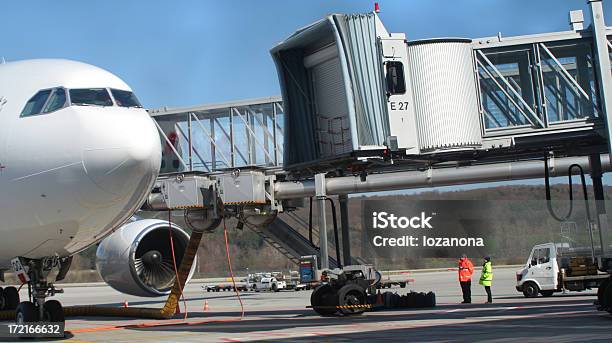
487 274
466 269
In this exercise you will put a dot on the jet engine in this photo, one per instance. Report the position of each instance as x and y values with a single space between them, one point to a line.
137 259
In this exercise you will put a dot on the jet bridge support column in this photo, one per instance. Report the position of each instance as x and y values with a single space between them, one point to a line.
600 205
344 223
321 195
602 59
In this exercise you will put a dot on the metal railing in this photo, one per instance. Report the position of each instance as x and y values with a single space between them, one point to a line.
221 136
537 85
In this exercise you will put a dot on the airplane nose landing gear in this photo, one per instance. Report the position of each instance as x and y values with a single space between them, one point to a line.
35 272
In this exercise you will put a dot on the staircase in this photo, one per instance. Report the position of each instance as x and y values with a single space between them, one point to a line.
288 241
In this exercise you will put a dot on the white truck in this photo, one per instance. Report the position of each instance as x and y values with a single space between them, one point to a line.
555 267
266 283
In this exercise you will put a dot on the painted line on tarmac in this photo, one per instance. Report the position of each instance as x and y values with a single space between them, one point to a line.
151 325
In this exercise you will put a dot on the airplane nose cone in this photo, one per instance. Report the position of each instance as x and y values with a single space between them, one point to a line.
121 153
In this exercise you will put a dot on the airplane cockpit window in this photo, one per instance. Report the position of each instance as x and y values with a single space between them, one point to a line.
125 98
56 101
90 97
36 103
49 100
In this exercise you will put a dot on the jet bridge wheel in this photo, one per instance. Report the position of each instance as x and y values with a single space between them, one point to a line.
351 295
324 300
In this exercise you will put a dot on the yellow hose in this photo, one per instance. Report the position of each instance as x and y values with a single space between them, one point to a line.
138 312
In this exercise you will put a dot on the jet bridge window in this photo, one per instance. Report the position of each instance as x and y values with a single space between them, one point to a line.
125 98
396 83
90 97
36 103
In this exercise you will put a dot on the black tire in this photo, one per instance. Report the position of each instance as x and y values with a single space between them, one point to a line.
11 298
2 301
547 294
601 291
26 313
352 294
275 287
53 311
255 288
324 300
608 298
530 290
402 285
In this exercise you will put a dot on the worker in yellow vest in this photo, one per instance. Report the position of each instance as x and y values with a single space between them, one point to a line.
486 278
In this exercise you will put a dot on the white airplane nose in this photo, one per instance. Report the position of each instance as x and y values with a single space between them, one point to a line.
120 152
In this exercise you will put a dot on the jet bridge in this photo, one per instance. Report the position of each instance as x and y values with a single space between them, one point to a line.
359 97
365 110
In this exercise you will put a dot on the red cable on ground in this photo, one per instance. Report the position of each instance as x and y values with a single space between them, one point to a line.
178 281
229 263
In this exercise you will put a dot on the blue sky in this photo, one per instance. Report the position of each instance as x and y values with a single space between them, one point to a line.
180 53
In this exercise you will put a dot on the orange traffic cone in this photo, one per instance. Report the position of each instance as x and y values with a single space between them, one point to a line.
205 305
125 303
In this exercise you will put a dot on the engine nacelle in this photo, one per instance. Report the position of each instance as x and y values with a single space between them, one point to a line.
137 258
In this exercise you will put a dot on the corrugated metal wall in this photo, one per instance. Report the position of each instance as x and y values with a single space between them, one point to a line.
358 33
331 108
445 98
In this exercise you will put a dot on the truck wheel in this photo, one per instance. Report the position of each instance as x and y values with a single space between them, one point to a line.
547 293
351 295
324 300
530 290
275 287
601 291
607 298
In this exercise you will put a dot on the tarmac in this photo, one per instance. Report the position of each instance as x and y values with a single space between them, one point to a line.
283 316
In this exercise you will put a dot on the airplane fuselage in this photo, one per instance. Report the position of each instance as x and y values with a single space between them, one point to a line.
72 174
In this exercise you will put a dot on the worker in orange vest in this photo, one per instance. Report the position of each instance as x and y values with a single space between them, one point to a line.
466 269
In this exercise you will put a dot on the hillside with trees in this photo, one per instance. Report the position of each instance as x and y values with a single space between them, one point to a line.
519 219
